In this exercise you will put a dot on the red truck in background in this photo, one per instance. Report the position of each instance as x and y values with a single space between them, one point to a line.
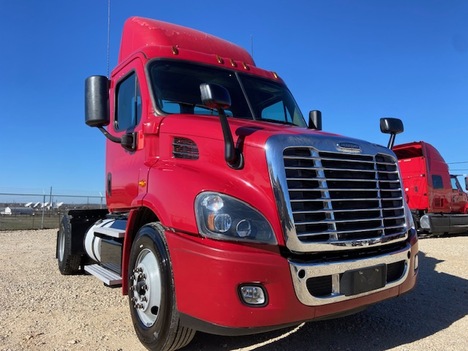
435 197
227 212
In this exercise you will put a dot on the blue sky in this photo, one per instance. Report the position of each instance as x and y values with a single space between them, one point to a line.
356 61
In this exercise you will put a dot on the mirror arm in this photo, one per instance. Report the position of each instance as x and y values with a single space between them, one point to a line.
232 155
391 142
217 97
109 136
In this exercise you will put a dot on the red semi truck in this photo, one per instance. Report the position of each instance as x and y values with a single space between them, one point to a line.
435 197
227 212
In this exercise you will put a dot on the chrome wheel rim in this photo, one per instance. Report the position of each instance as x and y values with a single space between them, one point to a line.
146 287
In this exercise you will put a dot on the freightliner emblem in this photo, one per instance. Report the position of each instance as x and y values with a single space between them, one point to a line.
349 147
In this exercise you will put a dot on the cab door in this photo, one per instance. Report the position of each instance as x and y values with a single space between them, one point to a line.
125 171
440 194
458 196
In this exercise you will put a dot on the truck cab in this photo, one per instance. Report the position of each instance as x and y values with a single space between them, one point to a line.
435 197
228 212
459 203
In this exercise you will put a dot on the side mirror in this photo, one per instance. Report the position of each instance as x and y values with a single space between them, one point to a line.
215 96
466 183
97 101
218 97
392 126
315 120
97 108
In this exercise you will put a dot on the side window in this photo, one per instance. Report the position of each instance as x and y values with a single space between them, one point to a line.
437 182
128 107
455 184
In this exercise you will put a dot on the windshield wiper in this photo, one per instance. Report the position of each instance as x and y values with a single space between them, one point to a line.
277 121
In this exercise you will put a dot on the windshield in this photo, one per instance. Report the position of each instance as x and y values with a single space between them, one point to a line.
176 86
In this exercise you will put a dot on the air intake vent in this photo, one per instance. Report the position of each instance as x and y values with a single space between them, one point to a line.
185 149
339 198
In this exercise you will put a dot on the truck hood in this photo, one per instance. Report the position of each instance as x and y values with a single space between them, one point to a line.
250 133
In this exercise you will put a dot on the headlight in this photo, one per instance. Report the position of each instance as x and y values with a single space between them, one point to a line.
409 217
223 217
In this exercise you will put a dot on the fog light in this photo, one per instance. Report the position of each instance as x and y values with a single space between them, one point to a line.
253 295
416 262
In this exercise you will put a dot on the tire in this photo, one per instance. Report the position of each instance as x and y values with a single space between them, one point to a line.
151 292
68 263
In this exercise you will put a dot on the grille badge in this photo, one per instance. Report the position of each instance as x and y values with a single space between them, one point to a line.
349 147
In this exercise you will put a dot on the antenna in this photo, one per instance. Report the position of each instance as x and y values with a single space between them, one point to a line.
108 33
251 46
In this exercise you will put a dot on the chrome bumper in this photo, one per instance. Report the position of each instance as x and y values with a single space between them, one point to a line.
301 272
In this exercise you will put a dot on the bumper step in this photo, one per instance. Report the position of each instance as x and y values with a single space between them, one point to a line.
107 276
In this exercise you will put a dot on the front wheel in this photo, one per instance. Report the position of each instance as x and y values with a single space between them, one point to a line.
151 292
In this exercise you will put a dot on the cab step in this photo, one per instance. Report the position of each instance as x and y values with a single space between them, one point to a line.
105 275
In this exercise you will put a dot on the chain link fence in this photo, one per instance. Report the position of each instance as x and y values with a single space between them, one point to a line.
26 211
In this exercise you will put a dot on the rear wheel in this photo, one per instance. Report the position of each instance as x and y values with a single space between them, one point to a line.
151 293
68 262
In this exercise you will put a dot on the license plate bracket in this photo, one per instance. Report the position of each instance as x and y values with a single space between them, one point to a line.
362 280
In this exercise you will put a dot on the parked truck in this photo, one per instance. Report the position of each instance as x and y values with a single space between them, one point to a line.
435 197
227 212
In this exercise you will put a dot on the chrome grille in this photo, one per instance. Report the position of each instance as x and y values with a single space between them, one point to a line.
341 198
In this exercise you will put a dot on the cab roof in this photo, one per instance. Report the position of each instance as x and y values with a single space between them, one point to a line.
140 33
417 149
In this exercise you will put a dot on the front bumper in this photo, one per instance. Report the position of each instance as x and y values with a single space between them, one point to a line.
208 273
321 284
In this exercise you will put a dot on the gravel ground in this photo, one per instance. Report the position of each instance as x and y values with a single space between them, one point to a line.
43 310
